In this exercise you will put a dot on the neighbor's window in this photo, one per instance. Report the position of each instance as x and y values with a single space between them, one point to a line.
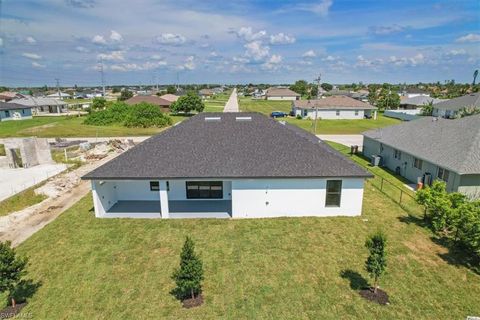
418 163
334 193
154 186
397 154
338 112
443 174
7 113
204 189
356 112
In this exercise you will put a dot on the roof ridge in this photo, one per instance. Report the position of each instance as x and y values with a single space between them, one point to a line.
469 152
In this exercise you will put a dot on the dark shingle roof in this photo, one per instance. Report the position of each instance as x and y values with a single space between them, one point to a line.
205 147
451 144
469 100
12 106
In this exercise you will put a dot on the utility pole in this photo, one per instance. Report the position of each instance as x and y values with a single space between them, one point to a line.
318 80
57 81
102 74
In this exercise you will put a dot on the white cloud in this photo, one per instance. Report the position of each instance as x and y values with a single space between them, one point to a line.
1 42
256 50
115 36
170 39
37 65
189 63
31 40
112 56
247 34
363 62
309 54
455 52
213 54
126 67
281 38
32 56
82 49
405 61
272 63
385 30
471 37
240 60
98 39
329 58
156 57
320 8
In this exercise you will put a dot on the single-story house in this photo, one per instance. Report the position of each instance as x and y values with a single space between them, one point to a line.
229 165
431 148
450 108
14 111
206 93
281 94
6 96
413 92
156 100
59 95
417 102
170 97
333 107
43 106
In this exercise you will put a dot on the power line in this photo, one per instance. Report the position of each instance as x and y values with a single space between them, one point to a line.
102 74
318 80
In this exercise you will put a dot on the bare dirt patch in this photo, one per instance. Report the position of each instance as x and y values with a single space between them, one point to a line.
380 297
193 302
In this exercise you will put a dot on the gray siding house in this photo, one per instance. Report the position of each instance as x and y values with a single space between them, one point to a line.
427 149
450 108
13 111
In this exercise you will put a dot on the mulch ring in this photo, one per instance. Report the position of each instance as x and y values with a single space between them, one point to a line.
10 312
193 302
381 297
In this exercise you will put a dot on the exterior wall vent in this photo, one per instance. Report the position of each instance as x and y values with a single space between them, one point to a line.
243 118
210 119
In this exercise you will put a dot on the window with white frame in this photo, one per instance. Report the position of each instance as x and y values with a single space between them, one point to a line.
443 174
337 112
418 163
356 112
334 193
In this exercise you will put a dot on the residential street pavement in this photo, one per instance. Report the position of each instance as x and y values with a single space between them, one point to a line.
345 139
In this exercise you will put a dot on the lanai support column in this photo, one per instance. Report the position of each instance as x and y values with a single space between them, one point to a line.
164 211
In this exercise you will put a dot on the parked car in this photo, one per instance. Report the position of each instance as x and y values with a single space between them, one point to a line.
278 114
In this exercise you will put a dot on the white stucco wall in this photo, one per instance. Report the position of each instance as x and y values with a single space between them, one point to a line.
135 190
331 114
293 197
104 196
282 98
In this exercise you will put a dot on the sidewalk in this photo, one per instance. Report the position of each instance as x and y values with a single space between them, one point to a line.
232 103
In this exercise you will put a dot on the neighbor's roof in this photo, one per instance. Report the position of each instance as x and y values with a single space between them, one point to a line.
206 92
420 100
332 102
9 94
281 92
156 100
469 100
229 145
38 102
12 106
170 97
452 144
415 91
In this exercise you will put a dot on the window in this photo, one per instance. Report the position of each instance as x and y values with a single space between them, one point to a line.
154 186
397 154
204 189
417 163
356 112
334 193
443 174
337 112
381 148
7 114
23 111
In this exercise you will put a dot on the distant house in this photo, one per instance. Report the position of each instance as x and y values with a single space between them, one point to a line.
450 108
156 100
431 148
196 170
43 106
332 107
417 102
8 96
14 111
170 97
61 95
413 92
281 94
206 93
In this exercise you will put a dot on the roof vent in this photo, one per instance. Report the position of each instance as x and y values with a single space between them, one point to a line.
243 118
210 119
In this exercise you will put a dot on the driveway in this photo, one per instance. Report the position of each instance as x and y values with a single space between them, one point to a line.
232 103
345 139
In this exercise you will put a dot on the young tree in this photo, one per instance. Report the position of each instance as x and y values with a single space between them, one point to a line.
300 87
125 95
171 89
12 269
377 260
387 99
99 103
187 103
326 86
427 109
189 276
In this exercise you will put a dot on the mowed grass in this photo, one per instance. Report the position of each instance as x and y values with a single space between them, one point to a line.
21 200
323 126
51 127
286 268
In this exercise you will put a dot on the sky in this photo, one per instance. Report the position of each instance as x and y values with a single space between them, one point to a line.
145 42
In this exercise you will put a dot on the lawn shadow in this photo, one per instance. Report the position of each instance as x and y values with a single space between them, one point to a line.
357 282
456 255
25 290
409 219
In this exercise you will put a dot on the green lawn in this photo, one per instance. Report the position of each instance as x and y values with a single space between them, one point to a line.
21 200
69 127
286 268
323 126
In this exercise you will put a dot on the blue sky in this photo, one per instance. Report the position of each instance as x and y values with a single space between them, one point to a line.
242 41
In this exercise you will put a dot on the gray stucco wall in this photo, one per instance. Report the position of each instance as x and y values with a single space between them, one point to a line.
24 114
407 170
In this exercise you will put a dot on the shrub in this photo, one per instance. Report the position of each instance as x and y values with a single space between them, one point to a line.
377 260
145 115
299 117
116 113
189 276
12 270
187 103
